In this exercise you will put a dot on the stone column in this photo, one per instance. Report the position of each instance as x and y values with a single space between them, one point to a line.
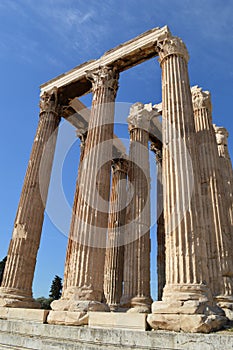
225 298
114 258
187 303
136 293
217 223
71 254
207 156
84 270
160 224
16 289
225 166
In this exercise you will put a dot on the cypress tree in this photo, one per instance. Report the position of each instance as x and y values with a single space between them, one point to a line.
56 288
2 267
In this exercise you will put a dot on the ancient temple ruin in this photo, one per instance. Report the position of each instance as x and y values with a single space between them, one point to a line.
107 268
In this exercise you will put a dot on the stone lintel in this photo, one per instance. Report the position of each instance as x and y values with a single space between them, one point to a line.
75 83
78 115
31 315
118 320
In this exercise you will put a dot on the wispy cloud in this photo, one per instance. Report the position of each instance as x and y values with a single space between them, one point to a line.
70 31
72 22
54 27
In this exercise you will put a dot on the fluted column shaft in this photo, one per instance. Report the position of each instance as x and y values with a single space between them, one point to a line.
217 223
161 265
114 258
225 300
187 303
137 253
71 255
186 258
225 166
84 280
18 276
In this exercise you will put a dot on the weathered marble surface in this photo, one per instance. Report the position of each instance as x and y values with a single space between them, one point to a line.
29 335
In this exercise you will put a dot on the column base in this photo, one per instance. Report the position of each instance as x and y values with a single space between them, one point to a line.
136 305
186 292
15 298
187 309
225 302
73 312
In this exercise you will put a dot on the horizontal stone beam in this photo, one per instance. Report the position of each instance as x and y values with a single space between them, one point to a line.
78 115
74 83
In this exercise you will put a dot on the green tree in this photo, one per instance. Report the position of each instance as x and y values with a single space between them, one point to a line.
56 288
2 267
44 302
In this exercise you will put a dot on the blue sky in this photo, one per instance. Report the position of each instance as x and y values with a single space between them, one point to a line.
40 40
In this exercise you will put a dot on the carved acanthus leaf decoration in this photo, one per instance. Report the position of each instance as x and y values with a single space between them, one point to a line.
104 77
140 116
49 101
172 45
221 135
201 99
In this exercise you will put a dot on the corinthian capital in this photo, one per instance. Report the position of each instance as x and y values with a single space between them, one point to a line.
201 99
140 116
221 135
49 101
172 45
104 77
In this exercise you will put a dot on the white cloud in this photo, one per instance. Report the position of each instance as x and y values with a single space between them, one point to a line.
76 28
69 28
80 30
